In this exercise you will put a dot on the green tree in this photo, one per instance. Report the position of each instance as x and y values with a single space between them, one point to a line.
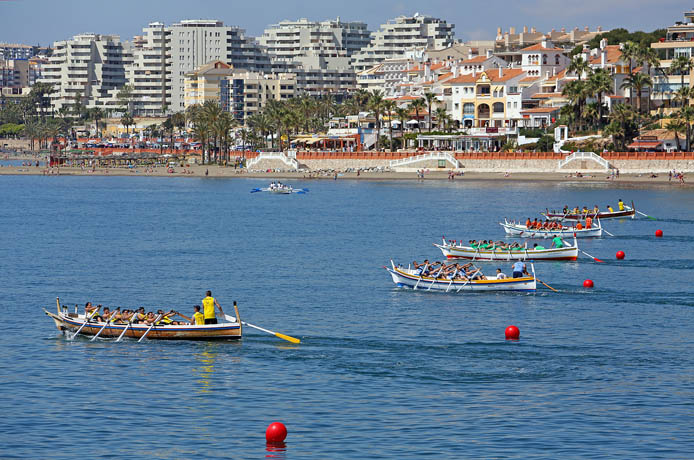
636 83
600 82
389 108
430 98
677 127
417 105
376 107
127 120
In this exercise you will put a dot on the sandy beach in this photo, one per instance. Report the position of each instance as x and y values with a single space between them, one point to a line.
217 172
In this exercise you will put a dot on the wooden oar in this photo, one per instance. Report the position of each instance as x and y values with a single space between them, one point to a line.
150 328
104 326
86 320
584 252
546 285
646 215
124 330
468 280
276 334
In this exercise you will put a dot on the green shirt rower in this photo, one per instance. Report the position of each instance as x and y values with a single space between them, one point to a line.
557 242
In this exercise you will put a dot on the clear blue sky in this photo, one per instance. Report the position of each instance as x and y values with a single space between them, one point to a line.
45 21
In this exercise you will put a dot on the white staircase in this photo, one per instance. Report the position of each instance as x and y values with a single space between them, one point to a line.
582 156
290 162
429 156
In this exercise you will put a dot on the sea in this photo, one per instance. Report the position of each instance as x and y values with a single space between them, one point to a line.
381 372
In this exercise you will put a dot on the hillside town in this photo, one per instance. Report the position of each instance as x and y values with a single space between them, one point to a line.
407 93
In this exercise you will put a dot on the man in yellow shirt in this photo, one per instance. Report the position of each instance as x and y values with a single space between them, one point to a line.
620 205
208 304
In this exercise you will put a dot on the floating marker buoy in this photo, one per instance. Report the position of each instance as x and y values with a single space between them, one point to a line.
620 255
659 233
588 284
512 333
276 432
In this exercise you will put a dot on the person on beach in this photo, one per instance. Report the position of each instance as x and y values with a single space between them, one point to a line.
208 304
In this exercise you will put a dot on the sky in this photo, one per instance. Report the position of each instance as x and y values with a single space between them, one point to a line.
45 21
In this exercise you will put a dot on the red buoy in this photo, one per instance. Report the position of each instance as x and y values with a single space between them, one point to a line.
659 233
588 284
620 255
512 333
276 432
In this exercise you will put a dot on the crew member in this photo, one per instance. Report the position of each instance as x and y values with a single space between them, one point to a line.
557 241
518 269
621 205
589 222
208 304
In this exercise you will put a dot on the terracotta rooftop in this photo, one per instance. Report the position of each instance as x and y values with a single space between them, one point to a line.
541 110
539 47
492 74
614 54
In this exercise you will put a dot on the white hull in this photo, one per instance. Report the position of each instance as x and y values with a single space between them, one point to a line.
466 252
522 231
406 278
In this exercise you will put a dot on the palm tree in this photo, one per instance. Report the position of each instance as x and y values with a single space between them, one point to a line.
575 91
579 66
649 57
683 95
441 114
389 107
631 51
676 126
686 115
127 120
430 98
376 106
681 65
600 82
636 83
403 114
96 114
417 105
621 125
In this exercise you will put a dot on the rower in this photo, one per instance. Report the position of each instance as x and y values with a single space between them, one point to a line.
208 304
537 247
589 222
500 275
557 241
198 318
518 269
527 223
620 204
576 210
579 225
609 208
596 210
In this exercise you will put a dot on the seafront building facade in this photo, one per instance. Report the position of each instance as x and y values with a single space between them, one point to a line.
240 92
88 68
404 33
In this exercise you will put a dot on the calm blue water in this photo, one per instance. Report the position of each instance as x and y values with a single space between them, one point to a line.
380 372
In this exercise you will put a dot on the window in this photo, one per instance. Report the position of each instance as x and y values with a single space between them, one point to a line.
498 107
468 108
556 59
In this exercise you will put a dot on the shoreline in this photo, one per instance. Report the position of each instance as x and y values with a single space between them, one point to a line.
219 172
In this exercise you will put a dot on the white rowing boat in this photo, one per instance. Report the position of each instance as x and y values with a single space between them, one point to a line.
523 231
410 278
280 189
457 251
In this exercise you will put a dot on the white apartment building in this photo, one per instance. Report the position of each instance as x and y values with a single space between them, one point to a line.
401 34
88 65
289 39
149 74
194 43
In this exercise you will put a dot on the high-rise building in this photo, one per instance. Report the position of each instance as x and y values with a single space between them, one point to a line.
88 67
194 43
290 39
16 51
401 34
149 74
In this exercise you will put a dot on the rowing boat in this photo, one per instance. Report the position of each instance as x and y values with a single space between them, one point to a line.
457 251
523 231
410 278
280 189
629 211
72 322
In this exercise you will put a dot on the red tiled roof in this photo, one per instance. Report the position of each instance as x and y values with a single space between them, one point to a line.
529 79
539 47
541 110
614 54
421 68
638 144
475 60
545 95
492 74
